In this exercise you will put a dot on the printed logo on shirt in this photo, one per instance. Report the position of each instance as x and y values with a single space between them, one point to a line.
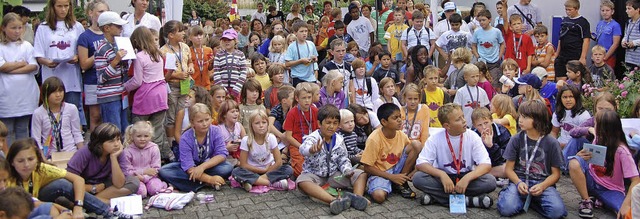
474 104
456 41
416 129
391 158
487 44
361 29
567 127
62 45
433 106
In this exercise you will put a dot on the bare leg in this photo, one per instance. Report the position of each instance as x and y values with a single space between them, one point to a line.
498 171
379 196
361 183
112 192
262 181
412 154
315 191
578 178
211 180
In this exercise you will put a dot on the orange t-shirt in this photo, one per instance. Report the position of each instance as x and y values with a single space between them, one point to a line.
202 58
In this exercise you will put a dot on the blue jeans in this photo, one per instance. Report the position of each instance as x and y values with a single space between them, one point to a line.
113 113
75 98
62 187
549 204
610 199
243 175
571 149
376 182
173 174
18 128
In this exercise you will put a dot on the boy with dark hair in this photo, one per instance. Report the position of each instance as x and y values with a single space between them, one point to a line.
575 36
340 33
494 137
519 47
491 47
544 52
631 40
15 203
442 172
454 38
385 69
389 156
418 34
276 76
274 15
301 56
327 161
360 29
279 112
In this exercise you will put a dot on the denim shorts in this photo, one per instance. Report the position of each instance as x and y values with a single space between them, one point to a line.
379 183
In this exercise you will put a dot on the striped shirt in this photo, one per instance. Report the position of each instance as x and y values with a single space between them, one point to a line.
541 54
230 71
110 80
632 34
351 143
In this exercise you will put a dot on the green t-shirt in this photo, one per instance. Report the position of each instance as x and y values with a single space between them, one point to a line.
381 22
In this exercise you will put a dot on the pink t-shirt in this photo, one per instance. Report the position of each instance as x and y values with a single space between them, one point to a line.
621 171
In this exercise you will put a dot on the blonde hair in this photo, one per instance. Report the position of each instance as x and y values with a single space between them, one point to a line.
461 54
357 63
572 4
384 83
469 69
346 114
6 20
607 3
198 108
328 79
277 39
504 105
251 135
428 70
135 128
510 64
598 48
303 87
291 37
410 87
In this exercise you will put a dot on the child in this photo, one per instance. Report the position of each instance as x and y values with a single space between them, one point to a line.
331 92
485 80
363 90
17 74
202 155
470 96
196 95
606 182
201 57
601 72
260 162
528 86
280 111
366 122
491 47
504 113
569 114
389 156
388 88
142 156
111 70
432 95
574 39
300 122
255 42
326 161
414 126
150 101
218 96
510 69
56 125
393 35
454 38
533 175
259 65
419 34
460 58
544 52
276 72
231 128
290 39
442 172
231 61
251 101
360 29
340 33
385 69
353 52
548 88
347 126
301 56
577 75
632 40
519 47
494 137
338 49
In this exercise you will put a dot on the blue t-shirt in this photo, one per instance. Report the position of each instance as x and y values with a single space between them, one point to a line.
605 31
488 42
549 91
86 40
264 48
298 51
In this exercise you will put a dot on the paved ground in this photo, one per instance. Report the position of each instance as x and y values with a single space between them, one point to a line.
236 203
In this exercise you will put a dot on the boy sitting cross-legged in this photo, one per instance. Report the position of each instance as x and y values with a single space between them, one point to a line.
462 167
326 160
389 156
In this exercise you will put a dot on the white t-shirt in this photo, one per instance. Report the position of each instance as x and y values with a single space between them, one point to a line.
359 30
378 102
530 10
367 97
290 16
260 16
437 152
19 93
469 98
147 20
451 40
444 26
425 35
60 44
568 123
259 155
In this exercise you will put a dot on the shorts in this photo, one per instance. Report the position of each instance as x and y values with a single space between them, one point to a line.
379 183
90 95
341 183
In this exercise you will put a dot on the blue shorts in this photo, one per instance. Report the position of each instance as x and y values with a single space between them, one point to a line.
43 210
611 199
379 183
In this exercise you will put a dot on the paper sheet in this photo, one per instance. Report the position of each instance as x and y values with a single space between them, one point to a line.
598 153
170 62
128 204
629 125
125 43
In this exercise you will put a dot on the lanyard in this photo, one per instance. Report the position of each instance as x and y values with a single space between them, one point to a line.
178 55
600 30
406 122
203 149
56 127
305 119
231 132
471 96
516 48
631 29
298 49
529 160
456 162
200 60
384 99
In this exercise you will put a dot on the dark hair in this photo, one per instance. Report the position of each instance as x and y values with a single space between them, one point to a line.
101 134
385 111
171 26
202 95
636 108
383 54
257 57
473 11
338 25
609 133
23 145
14 200
49 86
51 18
635 4
540 29
357 108
577 108
455 18
253 22
21 10
577 66
417 15
484 13
399 10
537 111
418 67
327 3
328 111
251 85
284 92
297 25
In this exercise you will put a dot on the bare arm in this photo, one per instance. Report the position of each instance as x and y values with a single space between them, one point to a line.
585 50
12 66
292 141
244 156
613 48
177 126
474 50
25 69
86 62
274 130
555 131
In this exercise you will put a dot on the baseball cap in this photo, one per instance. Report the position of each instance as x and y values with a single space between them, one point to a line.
449 6
230 34
540 72
110 17
529 79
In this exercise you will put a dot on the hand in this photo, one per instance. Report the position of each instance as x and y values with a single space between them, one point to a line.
523 188
151 172
451 92
52 64
117 150
73 60
461 186
583 61
447 183
195 173
317 147
232 146
313 59
592 130
537 189
121 53
399 178
586 155
66 214
77 214
306 61
624 45
529 32
180 75
218 180
191 70
631 133
623 210
487 138
630 44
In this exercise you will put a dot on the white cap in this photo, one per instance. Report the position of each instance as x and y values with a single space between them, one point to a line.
449 6
540 72
110 17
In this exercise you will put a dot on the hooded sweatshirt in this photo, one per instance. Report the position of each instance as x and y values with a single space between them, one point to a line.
137 160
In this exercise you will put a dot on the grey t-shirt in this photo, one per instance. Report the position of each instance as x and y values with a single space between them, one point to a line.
548 155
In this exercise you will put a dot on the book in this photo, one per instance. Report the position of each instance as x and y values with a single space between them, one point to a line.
598 153
457 204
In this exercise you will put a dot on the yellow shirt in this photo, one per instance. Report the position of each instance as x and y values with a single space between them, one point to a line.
418 129
381 152
183 56
264 80
435 99
393 34
512 123
39 179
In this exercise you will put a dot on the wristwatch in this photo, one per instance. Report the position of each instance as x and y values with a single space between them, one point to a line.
94 189
79 203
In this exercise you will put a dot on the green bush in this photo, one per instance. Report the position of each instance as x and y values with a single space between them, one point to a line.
206 9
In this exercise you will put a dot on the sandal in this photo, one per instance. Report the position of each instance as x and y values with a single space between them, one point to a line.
405 191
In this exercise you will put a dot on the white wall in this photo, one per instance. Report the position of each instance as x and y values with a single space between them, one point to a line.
119 6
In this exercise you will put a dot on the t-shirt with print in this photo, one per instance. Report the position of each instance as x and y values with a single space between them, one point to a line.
380 73
416 125
437 153
601 74
452 40
393 36
360 31
470 97
512 122
435 99
615 182
278 17
547 156
605 31
518 47
344 68
297 51
384 153
488 43
567 123
528 10
412 35
298 122
39 179
260 156
573 31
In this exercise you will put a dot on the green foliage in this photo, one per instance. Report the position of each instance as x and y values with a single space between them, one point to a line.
78 11
206 9
626 91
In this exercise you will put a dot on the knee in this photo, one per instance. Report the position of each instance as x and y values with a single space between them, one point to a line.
415 147
507 207
574 164
379 196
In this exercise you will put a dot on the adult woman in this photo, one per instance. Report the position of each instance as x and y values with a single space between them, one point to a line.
295 12
258 27
140 18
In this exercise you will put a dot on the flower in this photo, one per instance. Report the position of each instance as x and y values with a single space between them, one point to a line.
624 94
625 79
621 86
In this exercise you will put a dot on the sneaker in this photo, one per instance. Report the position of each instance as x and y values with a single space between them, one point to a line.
405 191
358 202
426 200
281 185
247 186
482 201
217 187
338 205
119 215
596 202
502 182
586 209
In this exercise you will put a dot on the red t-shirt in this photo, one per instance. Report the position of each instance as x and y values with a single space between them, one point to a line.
331 30
525 48
298 125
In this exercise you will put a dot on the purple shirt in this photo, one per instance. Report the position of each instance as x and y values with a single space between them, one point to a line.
89 167
189 149
336 99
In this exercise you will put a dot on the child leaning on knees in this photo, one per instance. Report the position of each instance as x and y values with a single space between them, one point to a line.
494 137
142 157
532 173
441 172
389 156
347 125
326 161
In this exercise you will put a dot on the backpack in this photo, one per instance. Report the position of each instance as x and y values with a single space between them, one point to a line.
428 33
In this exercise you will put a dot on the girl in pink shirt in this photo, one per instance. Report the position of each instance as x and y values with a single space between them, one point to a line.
142 158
